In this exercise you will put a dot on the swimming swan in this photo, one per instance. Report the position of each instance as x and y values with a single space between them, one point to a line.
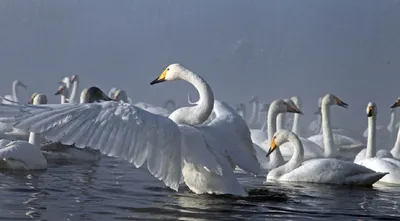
23 155
173 150
326 171
387 165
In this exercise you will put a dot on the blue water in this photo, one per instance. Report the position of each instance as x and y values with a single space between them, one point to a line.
114 190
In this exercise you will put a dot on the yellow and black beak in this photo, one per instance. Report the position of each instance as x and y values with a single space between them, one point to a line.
161 78
370 112
272 147
396 104
341 103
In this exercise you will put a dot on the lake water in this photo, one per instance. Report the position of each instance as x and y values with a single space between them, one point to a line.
114 190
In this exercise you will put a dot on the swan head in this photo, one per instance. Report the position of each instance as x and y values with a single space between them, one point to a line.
39 99
296 100
121 95
65 81
371 109
19 83
331 99
280 137
32 97
62 90
280 106
172 72
94 94
253 99
396 104
74 78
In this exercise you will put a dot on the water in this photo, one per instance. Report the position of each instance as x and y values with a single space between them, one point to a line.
113 190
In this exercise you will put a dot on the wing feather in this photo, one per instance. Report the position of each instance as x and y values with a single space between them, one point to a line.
116 129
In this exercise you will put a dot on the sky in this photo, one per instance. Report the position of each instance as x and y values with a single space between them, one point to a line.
274 49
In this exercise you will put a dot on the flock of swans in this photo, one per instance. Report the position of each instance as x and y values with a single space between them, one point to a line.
201 145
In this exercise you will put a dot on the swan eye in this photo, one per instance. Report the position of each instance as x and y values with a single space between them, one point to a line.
167 69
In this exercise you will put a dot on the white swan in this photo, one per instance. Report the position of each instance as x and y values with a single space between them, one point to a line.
395 151
276 159
346 146
14 97
325 171
121 95
315 126
111 92
73 97
311 149
173 150
386 165
23 155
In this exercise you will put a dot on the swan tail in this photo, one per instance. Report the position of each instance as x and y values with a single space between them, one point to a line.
365 179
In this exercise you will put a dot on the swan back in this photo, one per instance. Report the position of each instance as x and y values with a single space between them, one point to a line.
94 94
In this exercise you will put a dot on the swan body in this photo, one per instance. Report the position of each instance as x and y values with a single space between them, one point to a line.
163 144
23 155
370 160
324 171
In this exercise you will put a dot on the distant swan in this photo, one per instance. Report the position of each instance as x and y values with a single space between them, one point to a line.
14 97
23 155
384 165
174 151
325 171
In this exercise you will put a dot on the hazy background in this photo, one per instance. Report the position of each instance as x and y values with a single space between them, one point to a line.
273 49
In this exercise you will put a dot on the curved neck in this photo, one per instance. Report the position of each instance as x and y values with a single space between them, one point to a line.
296 159
74 91
14 90
202 110
329 146
371 142
254 114
275 156
295 126
280 121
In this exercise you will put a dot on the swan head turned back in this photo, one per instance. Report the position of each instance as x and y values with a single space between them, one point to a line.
172 72
280 137
396 104
94 94
280 106
121 95
62 90
331 99
39 99
371 109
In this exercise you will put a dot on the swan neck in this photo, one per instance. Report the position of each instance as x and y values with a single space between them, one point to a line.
202 110
280 121
371 142
74 91
396 149
329 148
14 90
254 114
34 139
276 156
298 152
295 126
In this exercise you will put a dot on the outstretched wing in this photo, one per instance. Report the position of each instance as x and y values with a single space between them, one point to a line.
115 128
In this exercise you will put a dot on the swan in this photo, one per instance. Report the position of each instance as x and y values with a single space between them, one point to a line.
348 147
384 165
253 122
75 88
395 151
121 95
14 97
311 149
275 108
63 91
173 150
315 126
23 155
324 171
111 92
